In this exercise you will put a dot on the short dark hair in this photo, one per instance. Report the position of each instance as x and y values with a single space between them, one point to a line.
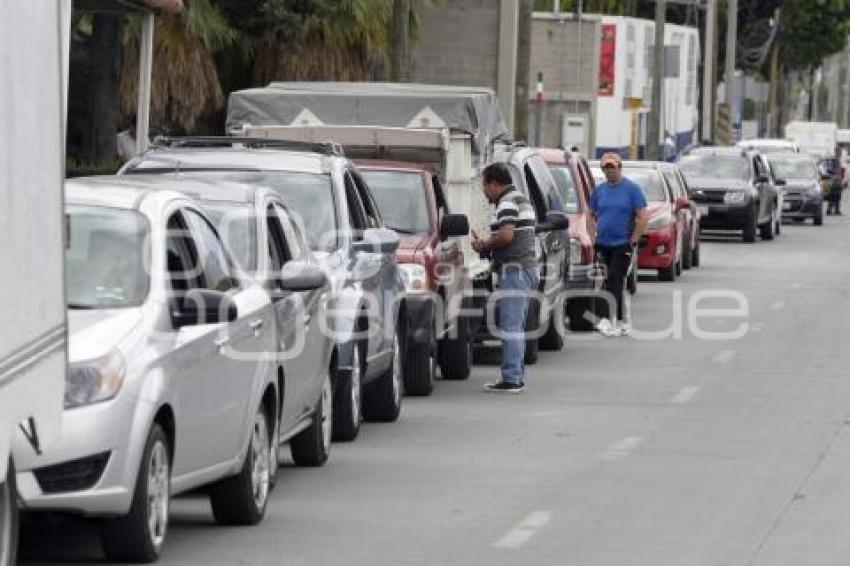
497 173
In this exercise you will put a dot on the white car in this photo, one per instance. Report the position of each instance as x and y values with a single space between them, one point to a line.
156 402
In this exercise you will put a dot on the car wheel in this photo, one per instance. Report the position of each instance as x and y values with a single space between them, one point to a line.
347 399
749 232
668 273
9 519
242 499
818 219
576 311
631 283
274 450
419 369
552 341
695 259
455 353
382 400
777 227
139 535
687 256
313 445
766 230
532 324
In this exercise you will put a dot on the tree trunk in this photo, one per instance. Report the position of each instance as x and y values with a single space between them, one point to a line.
99 144
523 69
400 42
773 94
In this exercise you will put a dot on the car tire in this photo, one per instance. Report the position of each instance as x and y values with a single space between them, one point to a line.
818 219
576 311
455 353
312 446
687 256
668 273
382 399
9 519
749 232
695 253
130 538
274 451
552 340
418 371
347 399
532 324
631 283
242 499
766 230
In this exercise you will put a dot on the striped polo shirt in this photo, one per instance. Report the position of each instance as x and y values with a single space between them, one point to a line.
514 208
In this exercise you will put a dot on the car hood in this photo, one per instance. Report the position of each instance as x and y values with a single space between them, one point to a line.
715 183
801 183
93 333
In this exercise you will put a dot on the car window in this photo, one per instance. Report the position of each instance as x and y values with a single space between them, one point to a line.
715 166
356 212
794 167
238 228
293 232
106 257
181 256
442 203
567 189
650 183
534 193
217 271
401 199
278 249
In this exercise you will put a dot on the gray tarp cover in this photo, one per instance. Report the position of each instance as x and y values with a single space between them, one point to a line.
467 109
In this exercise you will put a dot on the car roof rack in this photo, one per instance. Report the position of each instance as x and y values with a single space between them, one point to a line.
325 148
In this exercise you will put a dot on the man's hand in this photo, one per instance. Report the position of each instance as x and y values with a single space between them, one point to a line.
478 244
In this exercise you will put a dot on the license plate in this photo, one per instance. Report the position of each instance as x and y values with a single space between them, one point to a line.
703 210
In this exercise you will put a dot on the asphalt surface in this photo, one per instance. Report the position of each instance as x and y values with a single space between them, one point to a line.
677 451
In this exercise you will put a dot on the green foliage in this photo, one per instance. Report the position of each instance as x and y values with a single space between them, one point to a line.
812 30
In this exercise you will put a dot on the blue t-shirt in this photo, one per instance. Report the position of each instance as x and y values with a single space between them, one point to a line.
615 207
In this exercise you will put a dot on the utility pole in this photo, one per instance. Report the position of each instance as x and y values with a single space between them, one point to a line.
731 42
708 72
400 41
653 132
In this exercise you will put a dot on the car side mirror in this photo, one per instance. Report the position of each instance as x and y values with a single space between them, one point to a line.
377 241
454 225
781 182
203 306
554 221
682 203
301 276
762 179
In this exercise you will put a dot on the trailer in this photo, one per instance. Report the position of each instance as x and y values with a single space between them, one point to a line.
816 138
34 49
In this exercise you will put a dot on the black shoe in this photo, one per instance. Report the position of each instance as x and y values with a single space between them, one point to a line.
504 387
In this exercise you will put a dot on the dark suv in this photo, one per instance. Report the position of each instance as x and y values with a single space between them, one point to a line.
733 190
348 240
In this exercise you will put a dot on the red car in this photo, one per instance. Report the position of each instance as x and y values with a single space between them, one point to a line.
575 184
411 201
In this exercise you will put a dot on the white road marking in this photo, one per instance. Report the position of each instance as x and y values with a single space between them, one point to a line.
777 305
685 395
623 448
523 532
724 356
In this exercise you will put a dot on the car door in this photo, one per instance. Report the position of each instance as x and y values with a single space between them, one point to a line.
366 267
452 272
314 357
553 269
197 366
683 215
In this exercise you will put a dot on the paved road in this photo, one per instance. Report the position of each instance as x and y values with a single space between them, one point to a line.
621 452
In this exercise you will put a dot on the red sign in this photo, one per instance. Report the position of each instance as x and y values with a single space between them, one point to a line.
607 58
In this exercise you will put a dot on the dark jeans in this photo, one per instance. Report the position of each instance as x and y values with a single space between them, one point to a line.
833 203
616 260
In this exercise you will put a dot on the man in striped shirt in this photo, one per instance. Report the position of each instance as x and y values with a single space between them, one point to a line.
511 245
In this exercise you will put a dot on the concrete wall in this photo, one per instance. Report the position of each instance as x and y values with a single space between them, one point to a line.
460 44
567 52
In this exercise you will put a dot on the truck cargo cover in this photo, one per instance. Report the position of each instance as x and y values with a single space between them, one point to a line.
470 110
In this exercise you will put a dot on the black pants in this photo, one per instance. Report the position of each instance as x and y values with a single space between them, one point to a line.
833 205
616 260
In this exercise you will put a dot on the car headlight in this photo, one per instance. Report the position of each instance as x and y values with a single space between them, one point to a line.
735 197
575 251
814 191
660 220
415 277
94 381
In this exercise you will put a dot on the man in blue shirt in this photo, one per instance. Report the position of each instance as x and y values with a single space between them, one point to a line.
617 221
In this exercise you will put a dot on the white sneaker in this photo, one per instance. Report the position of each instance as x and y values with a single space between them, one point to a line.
623 329
605 328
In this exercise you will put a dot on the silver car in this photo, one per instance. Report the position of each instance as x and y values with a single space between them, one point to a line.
265 238
157 401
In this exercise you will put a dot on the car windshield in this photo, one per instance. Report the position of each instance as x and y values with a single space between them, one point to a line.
650 183
237 226
400 196
715 166
308 195
800 168
566 188
106 258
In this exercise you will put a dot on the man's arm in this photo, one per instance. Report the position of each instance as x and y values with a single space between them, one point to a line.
591 225
497 240
640 224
